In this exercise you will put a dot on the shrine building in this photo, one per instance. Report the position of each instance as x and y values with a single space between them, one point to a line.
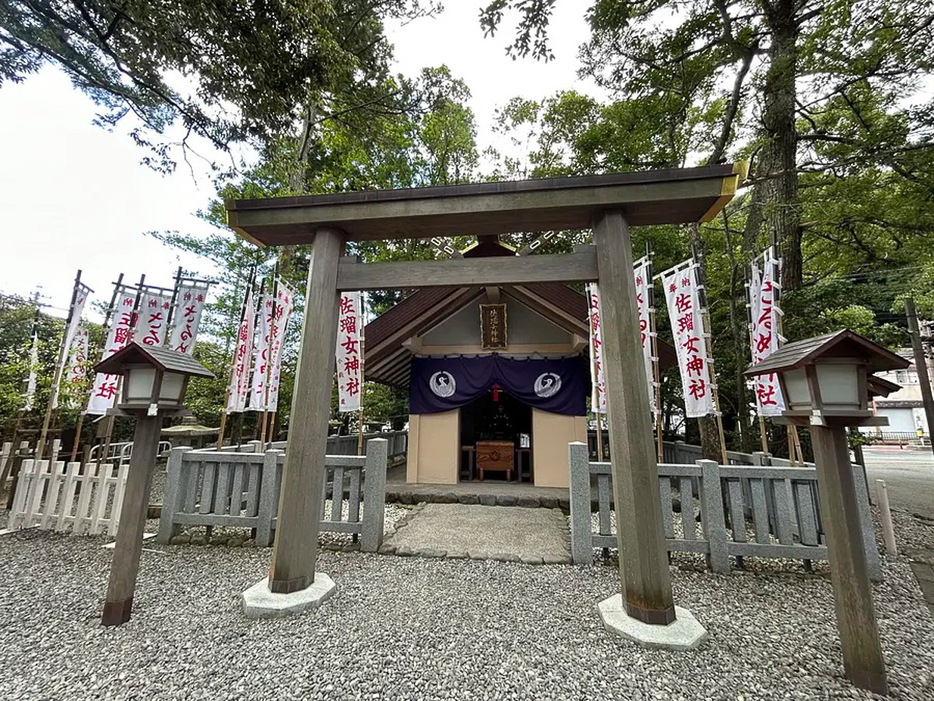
498 377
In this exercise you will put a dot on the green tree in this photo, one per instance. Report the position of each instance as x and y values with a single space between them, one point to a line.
786 63
228 71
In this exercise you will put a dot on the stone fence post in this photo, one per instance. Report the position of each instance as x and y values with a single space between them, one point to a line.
268 498
867 532
579 483
171 501
713 517
374 494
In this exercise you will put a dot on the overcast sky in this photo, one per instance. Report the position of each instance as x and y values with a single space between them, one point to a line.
75 196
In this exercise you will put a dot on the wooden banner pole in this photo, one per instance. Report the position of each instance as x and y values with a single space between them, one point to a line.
57 374
705 323
221 429
77 441
656 370
118 285
233 362
269 351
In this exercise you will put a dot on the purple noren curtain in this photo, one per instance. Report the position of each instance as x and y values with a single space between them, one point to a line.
558 385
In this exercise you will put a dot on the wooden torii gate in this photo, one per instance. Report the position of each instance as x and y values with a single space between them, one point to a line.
609 204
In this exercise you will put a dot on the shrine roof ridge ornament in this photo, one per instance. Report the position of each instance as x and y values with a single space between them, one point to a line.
672 196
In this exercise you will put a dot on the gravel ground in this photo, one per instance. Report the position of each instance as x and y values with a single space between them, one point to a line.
413 628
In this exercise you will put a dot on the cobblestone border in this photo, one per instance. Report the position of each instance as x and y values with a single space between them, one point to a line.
408 497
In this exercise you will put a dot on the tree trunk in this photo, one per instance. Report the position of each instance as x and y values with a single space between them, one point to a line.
778 165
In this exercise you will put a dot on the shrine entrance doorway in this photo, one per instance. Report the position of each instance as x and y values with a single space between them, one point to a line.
496 438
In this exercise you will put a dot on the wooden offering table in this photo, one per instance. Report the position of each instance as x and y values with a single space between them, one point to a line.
496 455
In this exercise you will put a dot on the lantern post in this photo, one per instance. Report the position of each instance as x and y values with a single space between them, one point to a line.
154 384
826 384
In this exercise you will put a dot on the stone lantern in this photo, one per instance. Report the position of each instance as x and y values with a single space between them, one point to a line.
826 382
153 387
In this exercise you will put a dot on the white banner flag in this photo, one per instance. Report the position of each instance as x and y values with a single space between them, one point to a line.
82 292
261 356
30 397
643 280
80 298
688 331
597 379
186 318
153 318
76 369
104 391
350 351
764 338
285 305
240 378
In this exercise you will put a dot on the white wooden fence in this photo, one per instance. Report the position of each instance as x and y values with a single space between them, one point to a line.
53 495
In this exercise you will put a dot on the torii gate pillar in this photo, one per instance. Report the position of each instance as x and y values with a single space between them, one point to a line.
292 570
643 562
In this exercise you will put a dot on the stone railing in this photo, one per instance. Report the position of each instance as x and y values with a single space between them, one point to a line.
398 443
241 489
756 510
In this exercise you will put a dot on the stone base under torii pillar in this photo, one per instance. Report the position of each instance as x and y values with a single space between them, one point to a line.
684 633
259 602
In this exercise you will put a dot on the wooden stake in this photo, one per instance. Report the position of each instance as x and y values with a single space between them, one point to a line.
856 619
125 565
57 374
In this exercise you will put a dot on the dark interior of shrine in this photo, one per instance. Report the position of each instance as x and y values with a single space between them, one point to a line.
496 416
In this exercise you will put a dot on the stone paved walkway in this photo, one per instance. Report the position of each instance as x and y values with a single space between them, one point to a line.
509 533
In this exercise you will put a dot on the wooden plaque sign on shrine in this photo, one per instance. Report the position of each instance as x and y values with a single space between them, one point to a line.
608 204
493 327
